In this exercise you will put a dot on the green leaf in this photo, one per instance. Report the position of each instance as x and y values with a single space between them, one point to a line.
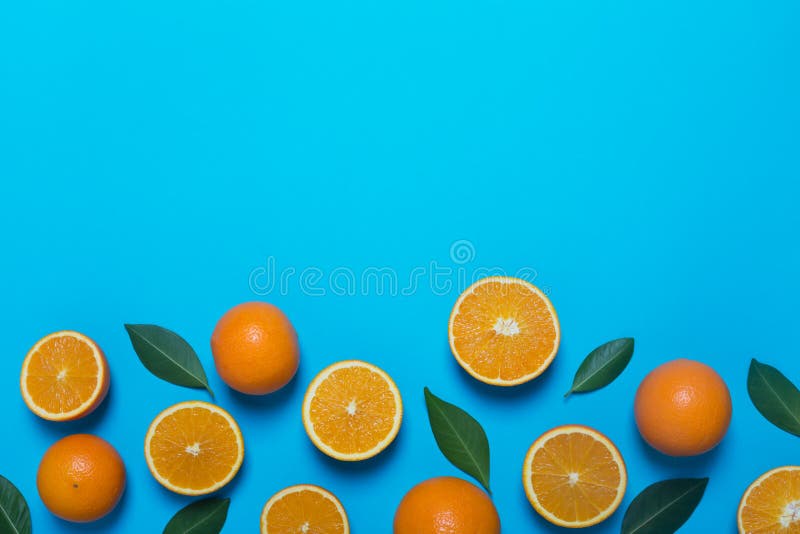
201 517
15 518
774 396
168 356
664 506
602 365
460 438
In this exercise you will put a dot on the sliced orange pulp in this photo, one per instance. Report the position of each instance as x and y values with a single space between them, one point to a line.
574 476
194 448
304 508
352 410
504 331
64 376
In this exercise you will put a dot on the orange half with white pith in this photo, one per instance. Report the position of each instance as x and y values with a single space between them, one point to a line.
352 410
772 503
194 448
504 331
574 476
304 508
64 376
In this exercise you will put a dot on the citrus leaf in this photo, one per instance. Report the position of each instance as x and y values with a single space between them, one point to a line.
201 517
168 356
15 517
460 438
774 396
602 365
663 507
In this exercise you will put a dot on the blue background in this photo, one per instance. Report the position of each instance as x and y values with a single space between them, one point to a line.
642 157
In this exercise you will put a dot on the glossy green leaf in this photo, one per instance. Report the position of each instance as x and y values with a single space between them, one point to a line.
664 507
15 517
774 396
167 355
201 517
602 365
460 437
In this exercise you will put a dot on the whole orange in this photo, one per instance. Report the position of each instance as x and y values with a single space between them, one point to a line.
683 408
446 505
81 478
255 348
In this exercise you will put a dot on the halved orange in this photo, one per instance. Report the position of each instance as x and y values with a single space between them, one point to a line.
304 508
352 410
194 448
504 331
772 503
64 376
574 476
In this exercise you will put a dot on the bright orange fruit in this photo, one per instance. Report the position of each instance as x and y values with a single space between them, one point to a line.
255 348
352 410
446 505
504 331
772 503
64 376
194 448
683 408
574 476
304 508
81 478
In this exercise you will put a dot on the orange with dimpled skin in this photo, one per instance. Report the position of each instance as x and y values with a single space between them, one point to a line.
81 478
446 505
255 348
683 408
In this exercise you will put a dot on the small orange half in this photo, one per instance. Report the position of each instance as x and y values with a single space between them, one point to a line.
352 410
504 331
194 448
574 476
772 503
64 376
304 508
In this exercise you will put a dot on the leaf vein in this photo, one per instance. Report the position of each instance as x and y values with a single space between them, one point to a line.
463 443
168 357
775 393
664 508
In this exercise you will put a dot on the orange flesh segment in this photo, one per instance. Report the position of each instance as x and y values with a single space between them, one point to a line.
353 410
531 331
194 448
305 508
597 483
62 374
774 505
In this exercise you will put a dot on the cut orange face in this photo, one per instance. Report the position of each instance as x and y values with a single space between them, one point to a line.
64 376
352 410
194 448
304 508
504 331
574 476
772 503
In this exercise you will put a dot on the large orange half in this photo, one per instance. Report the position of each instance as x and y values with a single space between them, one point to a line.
574 476
352 410
304 508
64 376
772 503
194 448
504 331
